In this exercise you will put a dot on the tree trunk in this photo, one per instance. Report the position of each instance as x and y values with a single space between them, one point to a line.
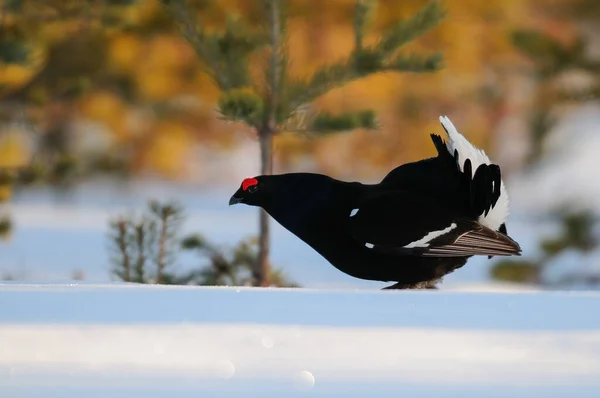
122 226
266 132
161 260
261 269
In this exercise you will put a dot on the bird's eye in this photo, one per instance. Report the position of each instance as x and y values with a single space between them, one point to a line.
253 188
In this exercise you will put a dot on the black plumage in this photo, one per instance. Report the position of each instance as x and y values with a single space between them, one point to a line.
421 222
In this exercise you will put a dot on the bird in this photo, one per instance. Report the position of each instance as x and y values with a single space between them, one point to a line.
422 221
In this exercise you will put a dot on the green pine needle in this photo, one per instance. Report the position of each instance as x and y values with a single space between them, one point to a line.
416 63
363 14
13 52
536 45
225 54
13 5
408 30
6 227
242 105
368 61
226 57
328 123
550 55
122 3
327 78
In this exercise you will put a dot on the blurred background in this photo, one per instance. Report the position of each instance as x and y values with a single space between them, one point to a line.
109 125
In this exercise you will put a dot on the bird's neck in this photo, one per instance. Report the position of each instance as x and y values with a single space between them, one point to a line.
307 210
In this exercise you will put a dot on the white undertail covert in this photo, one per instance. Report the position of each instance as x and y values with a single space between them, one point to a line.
466 150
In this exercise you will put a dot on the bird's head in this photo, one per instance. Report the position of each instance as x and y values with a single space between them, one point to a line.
282 192
250 192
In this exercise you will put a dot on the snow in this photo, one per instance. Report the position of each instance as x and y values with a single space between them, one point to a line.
567 174
85 339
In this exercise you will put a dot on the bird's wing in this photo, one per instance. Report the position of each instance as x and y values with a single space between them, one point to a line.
403 222
482 187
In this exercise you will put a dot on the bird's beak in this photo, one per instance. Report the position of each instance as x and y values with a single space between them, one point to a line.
234 200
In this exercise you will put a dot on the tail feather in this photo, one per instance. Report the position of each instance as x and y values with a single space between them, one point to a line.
441 147
465 149
469 159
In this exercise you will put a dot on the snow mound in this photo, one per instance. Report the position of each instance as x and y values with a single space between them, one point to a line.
72 340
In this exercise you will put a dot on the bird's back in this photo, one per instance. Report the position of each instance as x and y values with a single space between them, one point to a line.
436 178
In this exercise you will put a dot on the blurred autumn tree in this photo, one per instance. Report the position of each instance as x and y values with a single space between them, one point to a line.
120 89
565 73
249 62
101 84
88 88
40 80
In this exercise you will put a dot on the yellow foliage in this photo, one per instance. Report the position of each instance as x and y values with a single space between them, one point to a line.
142 12
5 192
109 109
203 86
124 52
289 146
159 75
153 84
167 148
13 151
166 52
102 106
15 75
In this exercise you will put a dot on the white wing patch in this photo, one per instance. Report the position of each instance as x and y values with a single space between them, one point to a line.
466 150
424 241
353 212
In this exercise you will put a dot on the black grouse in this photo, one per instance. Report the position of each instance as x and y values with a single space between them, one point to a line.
421 222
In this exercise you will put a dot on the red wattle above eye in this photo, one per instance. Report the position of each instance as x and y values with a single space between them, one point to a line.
248 182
